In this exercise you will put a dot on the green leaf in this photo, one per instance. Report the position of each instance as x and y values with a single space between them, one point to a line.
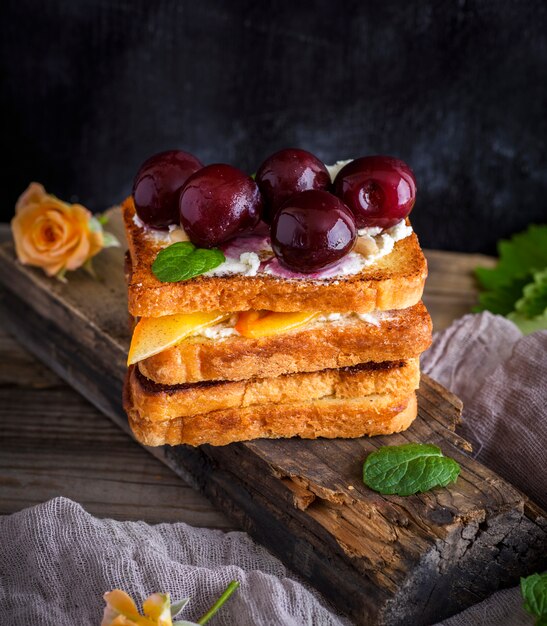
182 260
178 606
409 468
517 286
534 591
61 275
525 253
110 240
88 267
95 225
534 296
528 326
502 299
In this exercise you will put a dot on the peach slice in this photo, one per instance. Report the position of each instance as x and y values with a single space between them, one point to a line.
255 324
152 335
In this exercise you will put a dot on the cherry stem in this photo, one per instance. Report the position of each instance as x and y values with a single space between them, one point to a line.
216 606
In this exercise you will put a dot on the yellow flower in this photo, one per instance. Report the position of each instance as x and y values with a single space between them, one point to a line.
120 610
54 235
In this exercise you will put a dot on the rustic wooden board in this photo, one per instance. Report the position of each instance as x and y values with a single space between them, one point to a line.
384 560
44 458
54 442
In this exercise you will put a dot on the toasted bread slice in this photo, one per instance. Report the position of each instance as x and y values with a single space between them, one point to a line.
376 414
162 402
397 336
394 281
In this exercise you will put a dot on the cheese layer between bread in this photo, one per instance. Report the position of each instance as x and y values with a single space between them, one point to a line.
153 335
331 342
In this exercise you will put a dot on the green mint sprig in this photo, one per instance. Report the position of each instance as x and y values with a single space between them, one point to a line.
534 591
182 260
517 286
408 469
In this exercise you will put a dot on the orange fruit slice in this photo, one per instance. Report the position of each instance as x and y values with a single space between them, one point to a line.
255 324
152 335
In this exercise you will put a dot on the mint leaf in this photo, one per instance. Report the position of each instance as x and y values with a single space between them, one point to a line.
409 468
534 591
182 260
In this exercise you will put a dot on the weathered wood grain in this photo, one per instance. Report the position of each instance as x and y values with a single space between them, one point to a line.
384 560
451 288
53 442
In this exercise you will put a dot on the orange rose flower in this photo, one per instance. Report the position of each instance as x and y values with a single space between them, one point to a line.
54 235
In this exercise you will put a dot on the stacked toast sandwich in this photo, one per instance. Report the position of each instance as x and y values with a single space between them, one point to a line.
311 326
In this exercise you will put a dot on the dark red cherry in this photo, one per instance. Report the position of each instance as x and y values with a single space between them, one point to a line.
312 231
157 185
287 172
379 190
218 203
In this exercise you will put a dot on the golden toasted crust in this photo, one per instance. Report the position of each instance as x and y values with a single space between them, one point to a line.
370 415
160 402
395 281
405 334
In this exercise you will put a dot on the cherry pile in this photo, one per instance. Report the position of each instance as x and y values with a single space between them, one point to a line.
313 222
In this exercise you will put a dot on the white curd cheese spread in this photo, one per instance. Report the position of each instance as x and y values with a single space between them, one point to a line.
334 169
227 328
248 264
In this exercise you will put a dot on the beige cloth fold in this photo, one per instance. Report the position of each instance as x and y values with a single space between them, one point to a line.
501 378
56 560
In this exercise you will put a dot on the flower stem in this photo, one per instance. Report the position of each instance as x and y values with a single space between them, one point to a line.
216 606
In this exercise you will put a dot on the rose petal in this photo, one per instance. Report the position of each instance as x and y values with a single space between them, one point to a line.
63 231
121 602
32 194
96 243
53 269
46 234
79 255
83 214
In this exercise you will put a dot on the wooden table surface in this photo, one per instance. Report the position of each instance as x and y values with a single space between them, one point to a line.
53 442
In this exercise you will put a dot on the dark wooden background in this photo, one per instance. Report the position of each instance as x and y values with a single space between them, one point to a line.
457 88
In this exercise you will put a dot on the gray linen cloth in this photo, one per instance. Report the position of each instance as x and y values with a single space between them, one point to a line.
56 560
